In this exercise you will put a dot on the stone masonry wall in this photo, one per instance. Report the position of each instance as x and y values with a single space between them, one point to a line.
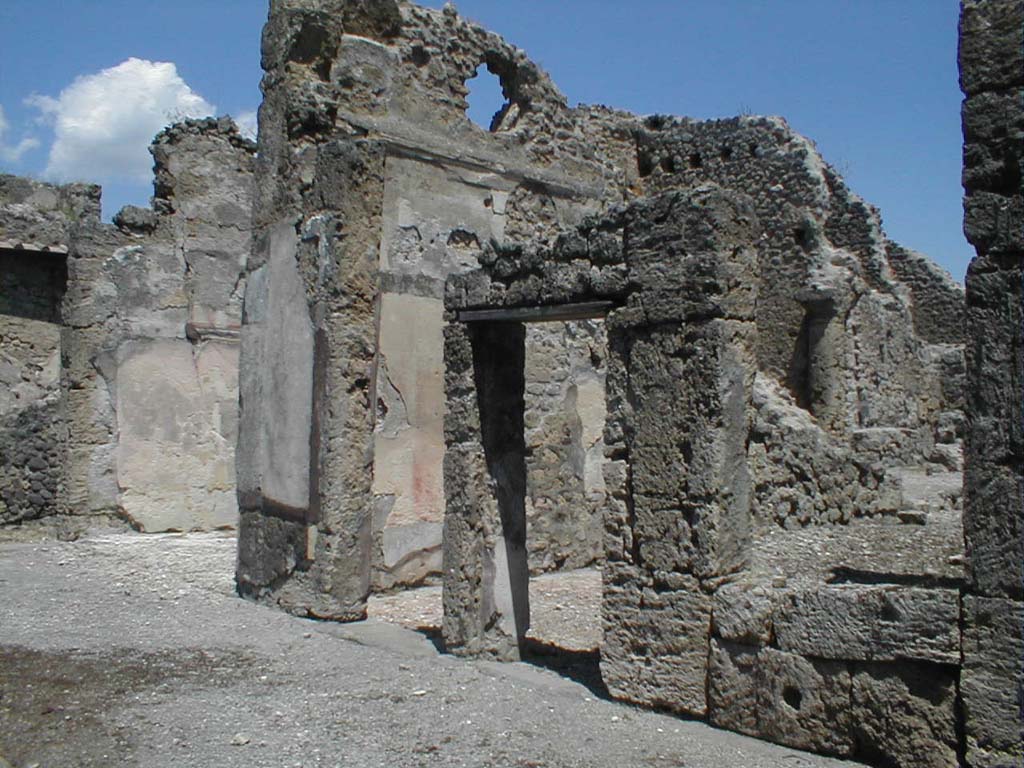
782 540
171 357
35 220
937 302
855 417
992 79
148 327
805 636
855 380
386 82
31 425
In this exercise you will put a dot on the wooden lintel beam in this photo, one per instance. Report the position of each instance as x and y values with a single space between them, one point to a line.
546 314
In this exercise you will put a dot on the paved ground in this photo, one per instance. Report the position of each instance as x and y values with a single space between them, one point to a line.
126 650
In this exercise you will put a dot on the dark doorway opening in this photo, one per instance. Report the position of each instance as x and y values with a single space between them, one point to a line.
540 387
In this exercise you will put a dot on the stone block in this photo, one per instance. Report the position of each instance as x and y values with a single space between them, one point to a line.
458 359
667 538
732 687
100 465
993 133
994 222
268 549
618 531
687 448
804 703
743 614
870 623
655 649
994 529
995 359
992 682
991 55
905 714
884 713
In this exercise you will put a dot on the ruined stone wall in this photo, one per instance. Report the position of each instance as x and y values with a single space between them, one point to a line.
855 417
860 361
147 328
992 79
171 349
782 539
386 83
31 284
936 302
679 368
757 572
564 401
804 635
34 223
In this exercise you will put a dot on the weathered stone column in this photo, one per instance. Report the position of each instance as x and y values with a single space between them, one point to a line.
992 79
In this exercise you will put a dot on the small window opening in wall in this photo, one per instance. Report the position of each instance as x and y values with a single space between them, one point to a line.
487 102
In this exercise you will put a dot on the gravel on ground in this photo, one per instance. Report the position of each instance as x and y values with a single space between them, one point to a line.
133 650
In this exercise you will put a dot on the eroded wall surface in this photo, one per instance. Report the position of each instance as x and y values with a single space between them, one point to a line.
781 457
367 155
992 79
875 378
783 546
35 222
146 321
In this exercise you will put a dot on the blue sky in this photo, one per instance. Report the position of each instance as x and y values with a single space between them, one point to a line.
873 82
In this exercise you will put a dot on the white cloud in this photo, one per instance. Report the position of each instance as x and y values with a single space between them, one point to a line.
104 122
247 124
11 153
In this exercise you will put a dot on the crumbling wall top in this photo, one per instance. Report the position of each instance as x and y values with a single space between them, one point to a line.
397 72
197 157
38 215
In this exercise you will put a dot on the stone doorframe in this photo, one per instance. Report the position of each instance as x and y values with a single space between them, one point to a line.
674 277
486 586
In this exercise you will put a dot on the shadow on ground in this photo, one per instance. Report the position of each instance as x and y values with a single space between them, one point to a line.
583 667
54 706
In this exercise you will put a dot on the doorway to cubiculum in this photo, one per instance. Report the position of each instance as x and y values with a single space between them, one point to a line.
527 484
